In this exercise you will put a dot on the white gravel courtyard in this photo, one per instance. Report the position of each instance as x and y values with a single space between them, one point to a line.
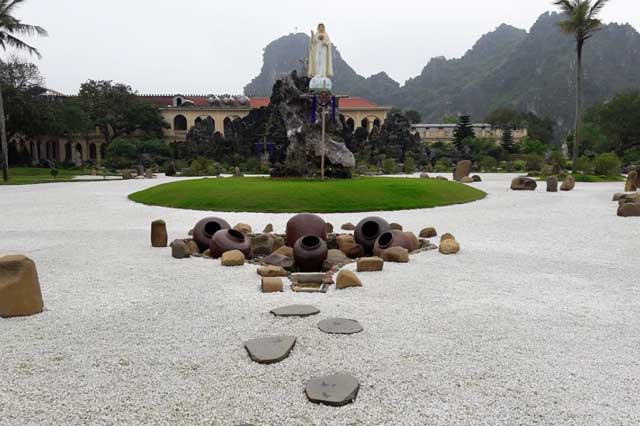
535 322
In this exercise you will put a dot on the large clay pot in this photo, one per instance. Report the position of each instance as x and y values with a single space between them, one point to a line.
205 229
368 231
305 224
394 239
229 239
310 252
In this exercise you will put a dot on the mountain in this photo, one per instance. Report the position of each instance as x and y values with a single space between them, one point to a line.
529 71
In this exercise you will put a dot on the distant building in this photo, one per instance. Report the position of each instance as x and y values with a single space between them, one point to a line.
444 132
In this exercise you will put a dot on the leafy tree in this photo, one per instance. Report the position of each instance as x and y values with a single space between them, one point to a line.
533 146
581 22
449 119
413 116
409 165
10 29
488 164
117 111
507 140
537 128
463 130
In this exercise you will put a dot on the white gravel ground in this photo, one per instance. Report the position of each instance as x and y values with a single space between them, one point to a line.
536 321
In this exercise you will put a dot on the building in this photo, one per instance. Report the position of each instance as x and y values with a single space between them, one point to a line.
182 112
444 132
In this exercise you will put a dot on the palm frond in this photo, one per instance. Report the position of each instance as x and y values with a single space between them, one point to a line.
28 30
7 39
566 6
7 6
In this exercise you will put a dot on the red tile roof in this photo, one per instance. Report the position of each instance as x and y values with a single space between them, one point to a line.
256 102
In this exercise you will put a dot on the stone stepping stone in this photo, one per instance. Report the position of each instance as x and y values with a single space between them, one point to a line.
269 350
295 311
340 326
336 390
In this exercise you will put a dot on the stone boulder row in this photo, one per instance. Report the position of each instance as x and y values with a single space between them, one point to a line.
629 210
476 178
449 247
346 279
348 227
633 179
370 264
335 258
179 249
463 169
429 232
232 258
272 285
396 255
523 184
20 293
159 236
347 244
243 228
568 184
265 244
272 271
336 390
552 184
269 350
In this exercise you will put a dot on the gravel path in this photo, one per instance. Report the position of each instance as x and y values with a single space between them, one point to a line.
536 321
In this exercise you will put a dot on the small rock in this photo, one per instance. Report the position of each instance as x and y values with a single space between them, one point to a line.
159 233
523 184
449 247
269 350
370 264
232 258
429 232
295 311
552 184
284 251
20 293
278 260
272 271
190 233
348 227
272 285
179 249
347 279
396 254
268 228
307 279
476 178
467 179
568 184
441 178
265 244
207 253
243 228
631 184
629 210
329 228
336 390
340 326
347 244
447 236
395 226
192 247
335 258
424 176
618 196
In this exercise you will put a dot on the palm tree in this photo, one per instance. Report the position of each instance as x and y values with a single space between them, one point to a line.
10 29
581 22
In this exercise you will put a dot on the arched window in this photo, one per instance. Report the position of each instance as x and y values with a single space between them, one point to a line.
226 126
180 123
198 120
93 152
351 124
365 123
376 123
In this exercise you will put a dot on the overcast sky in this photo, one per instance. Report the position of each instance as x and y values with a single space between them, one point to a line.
215 46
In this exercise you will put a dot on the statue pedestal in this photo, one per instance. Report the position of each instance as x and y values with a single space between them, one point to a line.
320 84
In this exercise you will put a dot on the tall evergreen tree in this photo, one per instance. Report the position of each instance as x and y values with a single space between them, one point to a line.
507 139
463 130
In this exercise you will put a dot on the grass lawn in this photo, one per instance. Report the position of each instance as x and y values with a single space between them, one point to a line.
588 178
299 195
29 175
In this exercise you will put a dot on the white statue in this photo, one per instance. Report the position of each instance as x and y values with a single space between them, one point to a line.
320 61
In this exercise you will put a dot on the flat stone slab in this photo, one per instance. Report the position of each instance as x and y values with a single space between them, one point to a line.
295 311
269 350
340 326
308 277
336 390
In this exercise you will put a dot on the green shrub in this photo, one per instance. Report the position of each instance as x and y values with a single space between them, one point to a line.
409 165
607 164
584 166
534 162
518 166
389 166
488 164
442 166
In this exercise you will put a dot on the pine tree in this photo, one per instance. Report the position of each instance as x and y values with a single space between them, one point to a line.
507 139
463 130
